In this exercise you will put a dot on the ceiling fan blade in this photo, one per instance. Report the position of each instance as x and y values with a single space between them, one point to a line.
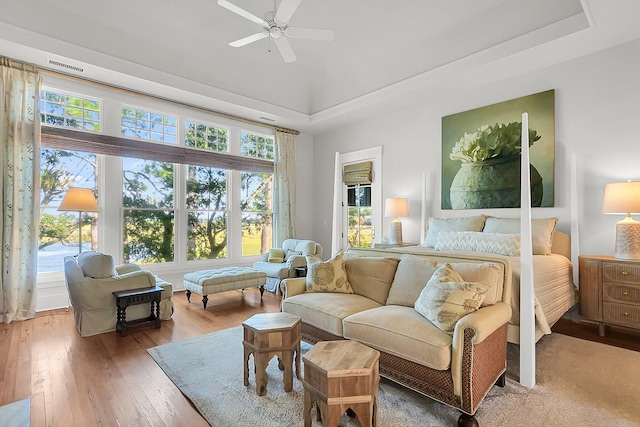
239 11
286 10
285 49
250 39
310 33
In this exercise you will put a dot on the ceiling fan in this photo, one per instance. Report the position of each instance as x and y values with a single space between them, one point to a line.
275 24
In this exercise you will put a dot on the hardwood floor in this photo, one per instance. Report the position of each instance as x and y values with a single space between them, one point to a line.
108 380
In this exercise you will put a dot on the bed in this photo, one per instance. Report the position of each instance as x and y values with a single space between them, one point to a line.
554 290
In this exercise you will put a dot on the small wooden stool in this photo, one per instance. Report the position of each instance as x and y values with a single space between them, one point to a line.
267 335
341 375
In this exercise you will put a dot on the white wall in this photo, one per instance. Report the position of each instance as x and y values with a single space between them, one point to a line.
597 116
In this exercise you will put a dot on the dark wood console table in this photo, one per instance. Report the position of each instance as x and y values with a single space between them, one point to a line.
129 297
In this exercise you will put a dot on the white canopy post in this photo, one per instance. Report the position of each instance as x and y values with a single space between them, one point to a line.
527 319
336 229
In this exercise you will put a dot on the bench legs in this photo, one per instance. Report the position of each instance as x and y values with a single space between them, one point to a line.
205 298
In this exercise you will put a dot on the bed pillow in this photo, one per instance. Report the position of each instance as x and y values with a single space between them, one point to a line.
276 255
327 276
436 225
541 231
412 275
475 241
371 277
447 298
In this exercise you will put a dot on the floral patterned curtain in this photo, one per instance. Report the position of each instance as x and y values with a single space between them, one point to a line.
20 184
284 178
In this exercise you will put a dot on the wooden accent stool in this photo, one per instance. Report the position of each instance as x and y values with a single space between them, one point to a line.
338 376
267 335
152 295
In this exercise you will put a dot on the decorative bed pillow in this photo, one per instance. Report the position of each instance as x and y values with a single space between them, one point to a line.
97 265
473 241
276 255
371 277
447 298
436 225
328 276
541 231
412 275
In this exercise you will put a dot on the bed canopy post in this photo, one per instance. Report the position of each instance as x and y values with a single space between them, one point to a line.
527 320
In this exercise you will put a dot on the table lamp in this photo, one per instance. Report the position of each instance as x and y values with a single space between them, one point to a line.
81 200
623 198
396 207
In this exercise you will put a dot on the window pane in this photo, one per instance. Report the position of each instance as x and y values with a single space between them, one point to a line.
60 109
147 183
206 235
148 236
137 123
206 136
256 205
207 217
360 224
259 146
59 170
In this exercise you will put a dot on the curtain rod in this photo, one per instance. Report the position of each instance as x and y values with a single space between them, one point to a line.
160 98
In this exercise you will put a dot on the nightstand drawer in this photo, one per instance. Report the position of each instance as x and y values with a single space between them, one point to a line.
620 272
619 292
628 315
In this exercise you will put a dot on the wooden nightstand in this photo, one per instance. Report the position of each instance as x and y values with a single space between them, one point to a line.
609 291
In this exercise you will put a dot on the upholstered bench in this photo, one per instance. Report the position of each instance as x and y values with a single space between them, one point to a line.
206 282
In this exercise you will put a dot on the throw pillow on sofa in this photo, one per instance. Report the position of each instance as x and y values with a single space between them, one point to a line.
276 255
447 298
328 276
371 277
412 275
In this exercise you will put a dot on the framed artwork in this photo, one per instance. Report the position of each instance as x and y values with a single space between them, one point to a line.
481 154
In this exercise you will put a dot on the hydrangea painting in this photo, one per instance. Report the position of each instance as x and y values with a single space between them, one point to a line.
481 154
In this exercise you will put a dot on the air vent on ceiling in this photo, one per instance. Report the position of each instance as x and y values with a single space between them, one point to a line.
268 119
67 66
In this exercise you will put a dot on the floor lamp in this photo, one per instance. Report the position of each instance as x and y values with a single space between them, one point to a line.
80 200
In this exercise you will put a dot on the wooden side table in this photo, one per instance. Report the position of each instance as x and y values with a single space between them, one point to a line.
129 297
267 335
341 375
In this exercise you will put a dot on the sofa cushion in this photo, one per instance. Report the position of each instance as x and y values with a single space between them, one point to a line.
97 265
327 276
371 276
447 298
489 273
326 310
403 332
436 225
541 231
276 255
412 275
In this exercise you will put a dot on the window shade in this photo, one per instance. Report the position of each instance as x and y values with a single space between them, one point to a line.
67 139
357 173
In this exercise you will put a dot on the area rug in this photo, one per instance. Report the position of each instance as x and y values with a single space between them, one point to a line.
16 414
578 383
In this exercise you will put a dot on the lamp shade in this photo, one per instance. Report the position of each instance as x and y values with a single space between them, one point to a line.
396 207
80 200
622 198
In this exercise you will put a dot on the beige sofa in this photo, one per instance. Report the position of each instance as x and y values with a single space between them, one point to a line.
456 368
91 280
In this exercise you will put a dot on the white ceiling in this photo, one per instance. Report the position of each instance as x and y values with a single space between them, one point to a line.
382 48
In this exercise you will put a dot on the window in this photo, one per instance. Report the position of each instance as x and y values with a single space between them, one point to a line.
359 228
60 109
148 125
164 181
59 170
148 214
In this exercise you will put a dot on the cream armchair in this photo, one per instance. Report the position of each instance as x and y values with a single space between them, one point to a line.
92 278
281 263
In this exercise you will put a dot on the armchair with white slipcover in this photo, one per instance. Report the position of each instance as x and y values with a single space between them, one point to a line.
92 278
281 263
